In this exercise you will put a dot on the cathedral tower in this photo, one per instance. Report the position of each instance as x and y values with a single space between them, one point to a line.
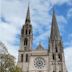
26 34
55 51
25 43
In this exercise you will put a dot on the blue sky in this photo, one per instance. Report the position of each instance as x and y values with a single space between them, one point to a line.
12 17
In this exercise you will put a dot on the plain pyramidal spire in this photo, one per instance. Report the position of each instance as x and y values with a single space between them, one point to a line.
55 34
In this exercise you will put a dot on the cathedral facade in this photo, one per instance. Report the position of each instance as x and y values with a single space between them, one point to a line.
41 60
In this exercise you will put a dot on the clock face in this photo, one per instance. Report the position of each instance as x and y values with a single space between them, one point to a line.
39 62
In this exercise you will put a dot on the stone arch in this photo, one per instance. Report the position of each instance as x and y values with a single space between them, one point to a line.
26 32
21 57
60 57
26 57
29 31
25 41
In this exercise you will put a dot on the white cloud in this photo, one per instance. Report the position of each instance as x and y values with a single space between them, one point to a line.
70 35
60 2
14 12
68 58
42 37
62 21
69 14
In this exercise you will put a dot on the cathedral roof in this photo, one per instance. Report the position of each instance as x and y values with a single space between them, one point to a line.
40 47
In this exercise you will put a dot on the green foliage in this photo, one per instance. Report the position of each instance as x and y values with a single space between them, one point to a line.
7 64
15 69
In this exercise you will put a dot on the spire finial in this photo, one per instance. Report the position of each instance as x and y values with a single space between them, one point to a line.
28 3
54 13
28 13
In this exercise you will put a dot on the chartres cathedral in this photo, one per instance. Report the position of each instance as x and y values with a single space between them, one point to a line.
41 60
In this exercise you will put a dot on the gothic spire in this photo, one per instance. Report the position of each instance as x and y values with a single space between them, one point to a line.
28 15
55 34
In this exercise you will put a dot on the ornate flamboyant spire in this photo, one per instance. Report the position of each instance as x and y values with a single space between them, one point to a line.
55 34
28 15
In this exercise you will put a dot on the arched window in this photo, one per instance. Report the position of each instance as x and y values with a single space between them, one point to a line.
26 57
56 49
40 71
59 56
25 41
53 57
54 71
26 32
29 31
21 57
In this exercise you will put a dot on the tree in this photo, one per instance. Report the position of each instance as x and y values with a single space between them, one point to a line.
16 69
7 64
3 48
7 61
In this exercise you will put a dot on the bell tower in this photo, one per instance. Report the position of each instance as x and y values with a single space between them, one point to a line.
25 43
26 33
55 51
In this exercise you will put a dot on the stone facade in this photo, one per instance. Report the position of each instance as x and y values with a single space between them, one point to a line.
41 60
